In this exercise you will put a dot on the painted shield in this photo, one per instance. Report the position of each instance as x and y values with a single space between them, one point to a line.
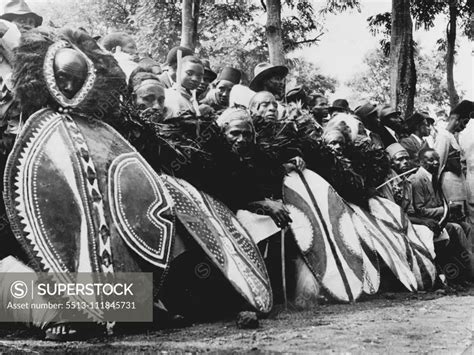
332 248
216 229
80 199
389 244
417 248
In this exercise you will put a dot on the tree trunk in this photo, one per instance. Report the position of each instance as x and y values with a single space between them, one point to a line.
273 31
189 27
450 50
402 63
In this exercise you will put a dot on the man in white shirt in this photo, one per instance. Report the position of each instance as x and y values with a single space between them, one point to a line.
182 96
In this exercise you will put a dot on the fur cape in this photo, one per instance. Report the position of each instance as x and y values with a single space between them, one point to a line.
354 174
30 88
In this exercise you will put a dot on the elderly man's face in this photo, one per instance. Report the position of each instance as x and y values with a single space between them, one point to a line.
150 95
24 22
335 142
276 85
70 71
401 162
239 134
265 106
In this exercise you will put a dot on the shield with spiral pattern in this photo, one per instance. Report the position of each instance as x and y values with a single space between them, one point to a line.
80 199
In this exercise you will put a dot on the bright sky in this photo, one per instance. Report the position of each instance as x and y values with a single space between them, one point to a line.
347 40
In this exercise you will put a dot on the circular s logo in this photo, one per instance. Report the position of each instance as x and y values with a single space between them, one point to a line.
18 289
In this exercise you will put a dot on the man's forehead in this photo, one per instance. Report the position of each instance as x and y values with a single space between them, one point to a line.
150 86
239 124
224 83
401 154
431 154
265 97
194 67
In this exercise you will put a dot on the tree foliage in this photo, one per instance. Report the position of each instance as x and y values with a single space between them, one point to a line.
308 74
374 82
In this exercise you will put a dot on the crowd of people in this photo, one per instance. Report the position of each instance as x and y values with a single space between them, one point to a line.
239 143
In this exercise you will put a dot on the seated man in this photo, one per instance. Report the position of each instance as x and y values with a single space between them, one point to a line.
399 190
256 181
148 93
182 96
264 104
218 97
456 257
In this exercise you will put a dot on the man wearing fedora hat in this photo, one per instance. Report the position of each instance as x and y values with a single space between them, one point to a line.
270 78
418 126
367 113
391 124
18 12
218 97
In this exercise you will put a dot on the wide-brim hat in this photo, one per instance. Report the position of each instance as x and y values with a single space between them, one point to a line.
415 119
385 111
230 74
15 8
364 110
339 105
263 71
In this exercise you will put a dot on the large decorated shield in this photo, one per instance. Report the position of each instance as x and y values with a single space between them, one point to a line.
221 236
80 199
329 243
394 226
388 243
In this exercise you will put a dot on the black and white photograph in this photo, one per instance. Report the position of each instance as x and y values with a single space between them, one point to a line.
236 177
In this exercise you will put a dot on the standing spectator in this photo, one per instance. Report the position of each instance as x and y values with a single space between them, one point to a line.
209 76
418 126
446 145
319 107
466 142
124 49
218 97
182 96
391 124
367 113
168 78
18 12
